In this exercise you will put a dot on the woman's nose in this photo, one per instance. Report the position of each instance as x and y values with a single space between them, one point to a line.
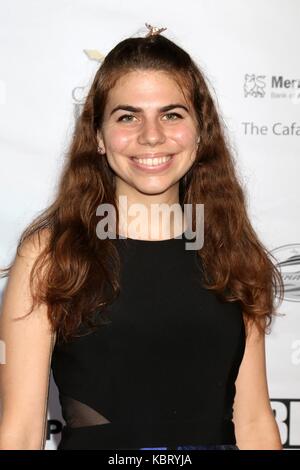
151 133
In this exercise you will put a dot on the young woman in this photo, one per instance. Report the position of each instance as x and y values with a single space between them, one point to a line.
151 344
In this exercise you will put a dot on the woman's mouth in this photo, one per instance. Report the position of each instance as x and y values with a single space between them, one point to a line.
153 164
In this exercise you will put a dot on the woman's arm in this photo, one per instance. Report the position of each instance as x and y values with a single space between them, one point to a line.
255 424
24 374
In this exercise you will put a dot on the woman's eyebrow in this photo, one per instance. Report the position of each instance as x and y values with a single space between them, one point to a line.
134 109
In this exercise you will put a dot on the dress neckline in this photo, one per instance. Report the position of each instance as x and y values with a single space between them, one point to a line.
166 240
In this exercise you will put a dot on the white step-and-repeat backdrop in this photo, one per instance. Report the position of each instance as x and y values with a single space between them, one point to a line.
250 53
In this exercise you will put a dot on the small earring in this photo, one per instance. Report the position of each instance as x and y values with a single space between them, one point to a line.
100 149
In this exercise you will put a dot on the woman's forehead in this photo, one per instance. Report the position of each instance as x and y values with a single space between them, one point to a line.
147 86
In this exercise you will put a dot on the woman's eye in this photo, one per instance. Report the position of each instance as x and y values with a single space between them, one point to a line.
173 114
125 116
122 118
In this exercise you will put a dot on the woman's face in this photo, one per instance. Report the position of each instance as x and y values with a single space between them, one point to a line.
135 125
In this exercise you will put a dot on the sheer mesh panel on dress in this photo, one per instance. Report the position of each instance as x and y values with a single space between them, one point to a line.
77 414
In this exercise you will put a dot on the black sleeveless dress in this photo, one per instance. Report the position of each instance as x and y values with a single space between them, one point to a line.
161 374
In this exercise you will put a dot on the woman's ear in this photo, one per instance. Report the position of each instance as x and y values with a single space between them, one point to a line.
101 146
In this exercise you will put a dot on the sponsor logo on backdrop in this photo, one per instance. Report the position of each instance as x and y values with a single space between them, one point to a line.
251 128
272 86
288 261
287 414
254 85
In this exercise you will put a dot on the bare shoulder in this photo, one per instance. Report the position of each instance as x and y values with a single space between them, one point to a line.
28 341
17 286
33 245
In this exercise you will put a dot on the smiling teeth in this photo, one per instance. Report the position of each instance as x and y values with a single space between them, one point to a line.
152 161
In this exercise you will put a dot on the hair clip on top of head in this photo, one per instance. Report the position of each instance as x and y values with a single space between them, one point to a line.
153 30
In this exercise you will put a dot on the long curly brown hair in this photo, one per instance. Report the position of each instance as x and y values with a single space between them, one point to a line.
76 274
